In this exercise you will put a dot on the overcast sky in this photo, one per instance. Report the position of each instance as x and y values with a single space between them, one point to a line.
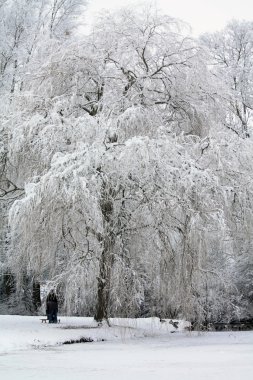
202 15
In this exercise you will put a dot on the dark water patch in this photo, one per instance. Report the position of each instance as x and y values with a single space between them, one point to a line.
69 327
81 340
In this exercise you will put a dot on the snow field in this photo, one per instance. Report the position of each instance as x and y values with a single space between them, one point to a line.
131 349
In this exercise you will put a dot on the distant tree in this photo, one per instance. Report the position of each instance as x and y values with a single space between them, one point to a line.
231 58
26 34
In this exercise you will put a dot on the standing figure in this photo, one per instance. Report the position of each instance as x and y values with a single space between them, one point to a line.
52 307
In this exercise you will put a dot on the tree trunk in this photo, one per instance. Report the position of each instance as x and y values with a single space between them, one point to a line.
7 286
106 260
36 295
104 280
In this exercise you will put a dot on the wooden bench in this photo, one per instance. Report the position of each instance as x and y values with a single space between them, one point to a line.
45 320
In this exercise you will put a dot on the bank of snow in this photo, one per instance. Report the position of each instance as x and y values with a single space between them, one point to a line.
142 349
22 332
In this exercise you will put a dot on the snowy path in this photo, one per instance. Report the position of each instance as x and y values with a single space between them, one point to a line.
179 356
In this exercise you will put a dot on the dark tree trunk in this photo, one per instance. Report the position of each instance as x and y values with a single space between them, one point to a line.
29 291
104 280
36 295
7 287
106 259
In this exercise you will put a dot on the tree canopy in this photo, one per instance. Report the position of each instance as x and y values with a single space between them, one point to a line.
126 162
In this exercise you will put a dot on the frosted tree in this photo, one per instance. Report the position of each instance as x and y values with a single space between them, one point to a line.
126 213
136 59
231 55
132 200
149 58
26 35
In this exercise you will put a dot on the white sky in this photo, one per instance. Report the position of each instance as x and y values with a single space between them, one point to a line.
202 15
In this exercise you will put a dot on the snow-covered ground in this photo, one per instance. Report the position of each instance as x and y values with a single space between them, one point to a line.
128 350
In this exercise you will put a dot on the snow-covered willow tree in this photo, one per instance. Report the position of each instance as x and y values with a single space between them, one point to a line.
129 173
117 226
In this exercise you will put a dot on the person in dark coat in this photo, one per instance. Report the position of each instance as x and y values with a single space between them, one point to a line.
52 307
